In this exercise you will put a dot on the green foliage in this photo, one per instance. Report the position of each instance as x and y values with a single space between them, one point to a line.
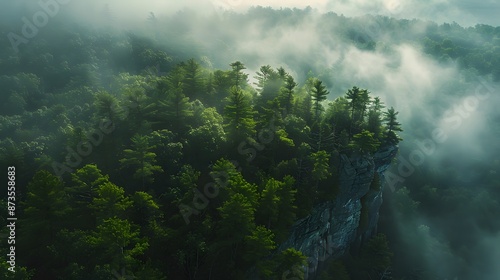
375 257
107 107
287 92
321 167
207 140
141 158
174 124
46 202
45 213
144 209
392 126
21 273
335 269
364 142
290 263
118 241
109 201
318 95
176 109
237 76
259 245
237 219
359 101
239 115
193 79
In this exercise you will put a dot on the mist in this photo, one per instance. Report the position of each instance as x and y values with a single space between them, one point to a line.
450 111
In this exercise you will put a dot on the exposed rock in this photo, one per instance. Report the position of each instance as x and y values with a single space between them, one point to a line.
334 226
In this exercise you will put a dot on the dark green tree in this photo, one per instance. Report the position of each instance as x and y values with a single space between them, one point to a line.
375 257
239 78
374 123
45 213
286 96
318 95
290 265
392 126
321 167
141 157
107 107
192 79
238 115
176 109
359 99
258 245
109 201
364 142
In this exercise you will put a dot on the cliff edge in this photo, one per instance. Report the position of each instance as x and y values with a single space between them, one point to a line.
349 220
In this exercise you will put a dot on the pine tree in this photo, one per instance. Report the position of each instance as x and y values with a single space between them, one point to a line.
192 79
107 107
287 94
359 101
239 115
142 158
392 126
176 109
109 201
374 123
318 95
45 213
265 74
239 78
364 142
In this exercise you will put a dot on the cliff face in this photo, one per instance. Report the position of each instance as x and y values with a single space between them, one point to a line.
334 226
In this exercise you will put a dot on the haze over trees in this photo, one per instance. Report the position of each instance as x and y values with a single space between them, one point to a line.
117 138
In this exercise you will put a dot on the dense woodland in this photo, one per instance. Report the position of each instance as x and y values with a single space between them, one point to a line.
143 154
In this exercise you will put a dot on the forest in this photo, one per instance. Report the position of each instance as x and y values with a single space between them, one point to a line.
154 153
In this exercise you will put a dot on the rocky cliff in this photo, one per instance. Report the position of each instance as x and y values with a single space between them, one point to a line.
334 226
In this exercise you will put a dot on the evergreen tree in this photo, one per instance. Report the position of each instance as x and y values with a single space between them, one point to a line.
117 242
239 78
374 123
287 94
238 115
375 257
259 245
107 107
304 109
392 126
318 95
268 210
264 76
364 142
85 183
142 158
359 101
192 79
321 165
290 264
140 109
45 213
237 222
176 109
109 201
